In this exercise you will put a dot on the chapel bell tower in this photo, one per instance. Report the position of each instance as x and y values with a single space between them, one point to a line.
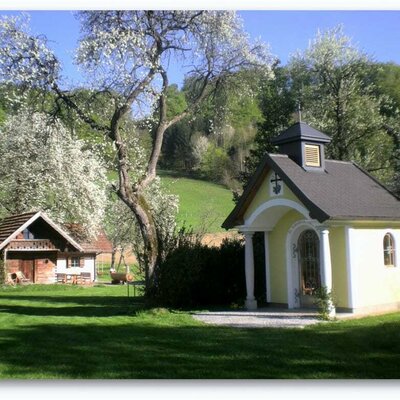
304 145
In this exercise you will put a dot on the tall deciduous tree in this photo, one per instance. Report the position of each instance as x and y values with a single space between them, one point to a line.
387 80
126 55
331 80
43 167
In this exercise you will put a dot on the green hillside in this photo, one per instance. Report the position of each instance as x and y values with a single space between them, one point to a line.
203 205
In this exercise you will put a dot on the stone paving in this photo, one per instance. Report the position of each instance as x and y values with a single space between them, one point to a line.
261 318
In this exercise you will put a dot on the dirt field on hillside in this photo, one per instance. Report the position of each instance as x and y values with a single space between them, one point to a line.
209 239
215 239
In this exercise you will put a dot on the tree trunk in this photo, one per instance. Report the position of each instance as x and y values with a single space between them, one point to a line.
120 259
114 250
138 205
133 195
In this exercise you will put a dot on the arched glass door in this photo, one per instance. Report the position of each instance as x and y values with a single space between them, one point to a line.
310 276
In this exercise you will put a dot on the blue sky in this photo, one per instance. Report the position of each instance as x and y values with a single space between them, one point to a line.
376 32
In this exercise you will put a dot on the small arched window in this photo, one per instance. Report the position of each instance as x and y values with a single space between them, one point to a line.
388 250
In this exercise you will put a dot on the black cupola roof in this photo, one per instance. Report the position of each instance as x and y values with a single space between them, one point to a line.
300 131
304 145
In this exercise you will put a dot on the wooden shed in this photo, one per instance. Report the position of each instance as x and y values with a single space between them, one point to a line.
36 246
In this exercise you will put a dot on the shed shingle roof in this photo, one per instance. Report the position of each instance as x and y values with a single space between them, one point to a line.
100 244
9 226
342 191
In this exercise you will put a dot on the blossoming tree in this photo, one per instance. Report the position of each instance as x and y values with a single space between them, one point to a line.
43 167
126 56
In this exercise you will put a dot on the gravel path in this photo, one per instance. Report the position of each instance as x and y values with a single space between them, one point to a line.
259 319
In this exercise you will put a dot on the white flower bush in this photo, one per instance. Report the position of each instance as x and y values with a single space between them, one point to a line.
43 167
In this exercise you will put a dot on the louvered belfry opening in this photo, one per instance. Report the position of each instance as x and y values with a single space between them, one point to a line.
312 155
304 145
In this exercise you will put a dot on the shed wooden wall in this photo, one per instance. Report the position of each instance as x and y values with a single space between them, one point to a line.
44 264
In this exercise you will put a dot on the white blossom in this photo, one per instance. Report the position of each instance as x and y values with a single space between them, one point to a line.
42 167
118 49
199 148
25 59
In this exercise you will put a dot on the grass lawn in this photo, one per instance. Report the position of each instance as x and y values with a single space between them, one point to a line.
64 332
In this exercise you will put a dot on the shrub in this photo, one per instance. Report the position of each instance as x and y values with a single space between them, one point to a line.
195 275
324 300
214 162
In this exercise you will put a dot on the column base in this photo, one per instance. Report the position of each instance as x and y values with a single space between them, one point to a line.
251 304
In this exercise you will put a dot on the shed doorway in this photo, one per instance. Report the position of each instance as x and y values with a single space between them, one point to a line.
309 267
28 269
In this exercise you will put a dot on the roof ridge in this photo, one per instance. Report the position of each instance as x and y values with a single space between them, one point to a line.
278 155
339 161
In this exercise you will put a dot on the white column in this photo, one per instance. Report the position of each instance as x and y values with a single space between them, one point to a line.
267 268
326 264
251 302
350 261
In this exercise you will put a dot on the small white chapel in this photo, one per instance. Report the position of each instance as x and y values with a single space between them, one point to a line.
326 223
